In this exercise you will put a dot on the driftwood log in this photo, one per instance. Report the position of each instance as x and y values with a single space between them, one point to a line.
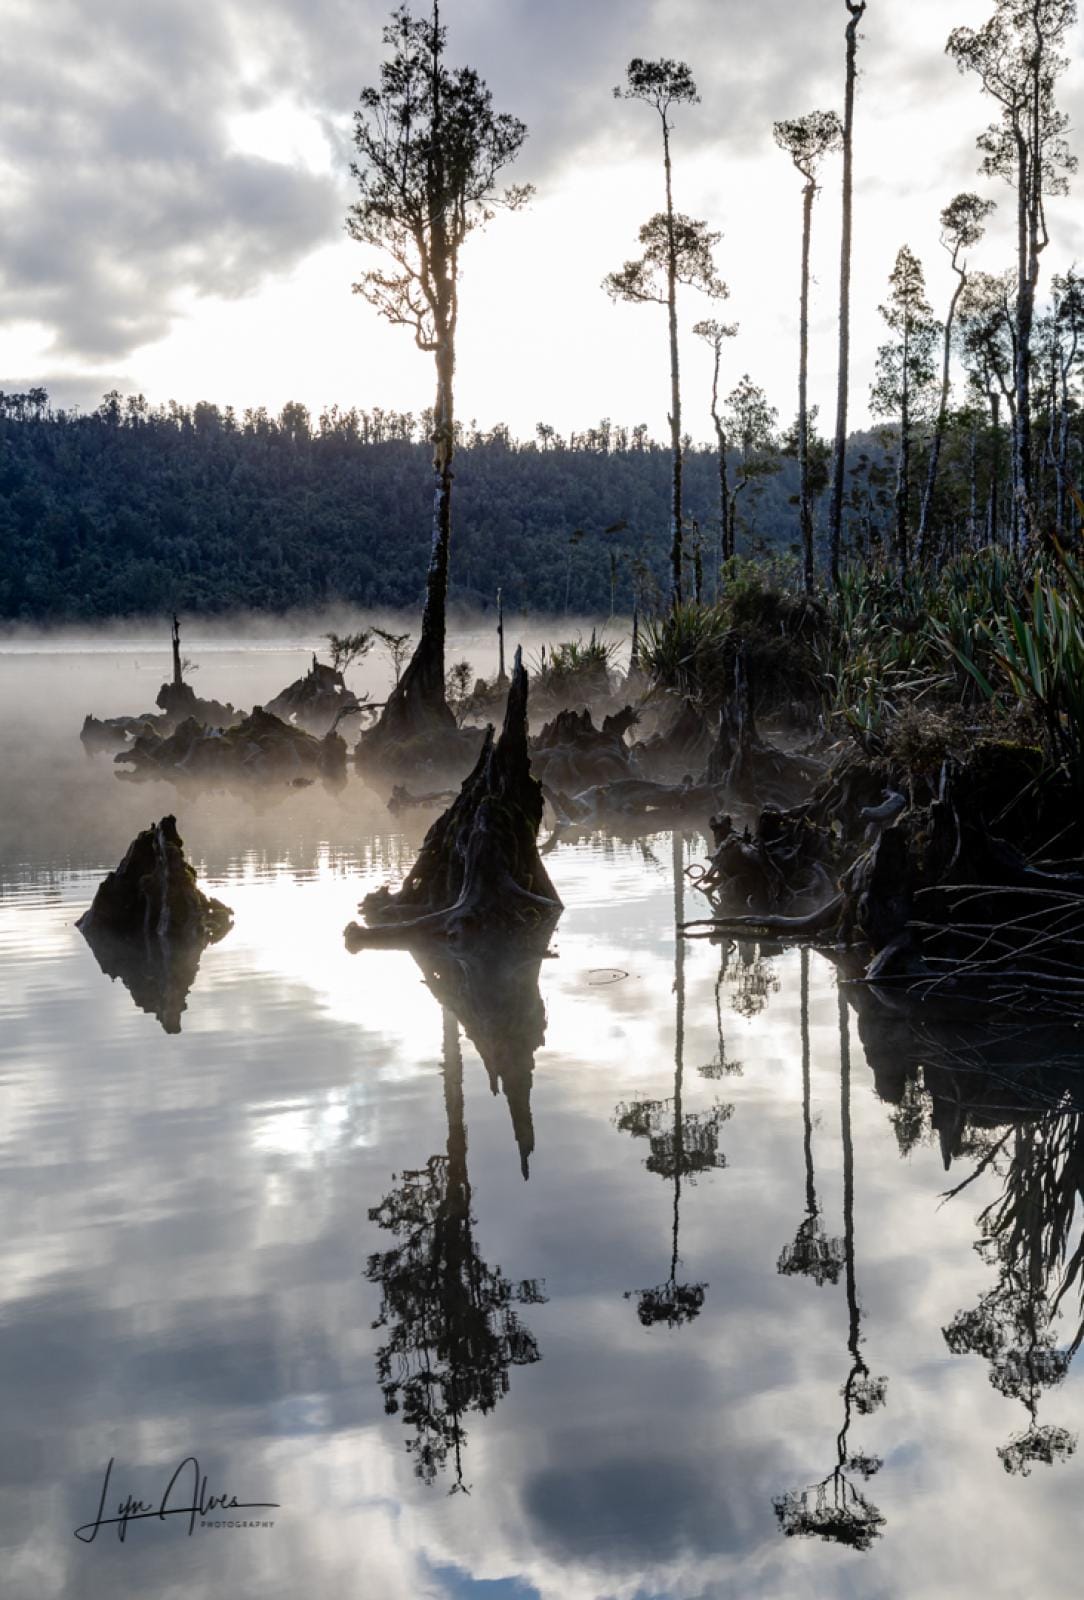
478 872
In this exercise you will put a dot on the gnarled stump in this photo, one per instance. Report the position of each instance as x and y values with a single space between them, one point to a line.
262 746
318 702
153 892
178 701
149 923
571 754
479 871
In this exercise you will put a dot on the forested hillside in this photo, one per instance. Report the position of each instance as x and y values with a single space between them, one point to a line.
129 511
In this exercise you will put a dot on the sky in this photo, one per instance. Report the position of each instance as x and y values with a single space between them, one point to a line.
174 180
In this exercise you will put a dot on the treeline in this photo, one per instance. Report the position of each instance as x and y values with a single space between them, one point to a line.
133 510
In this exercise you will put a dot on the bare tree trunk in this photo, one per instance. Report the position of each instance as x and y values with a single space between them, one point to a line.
675 382
175 636
805 499
1027 274
973 480
995 465
939 425
1061 464
418 699
502 676
726 540
839 459
417 703
903 473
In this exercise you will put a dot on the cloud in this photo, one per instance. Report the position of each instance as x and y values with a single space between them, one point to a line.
126 197
157 160
123 195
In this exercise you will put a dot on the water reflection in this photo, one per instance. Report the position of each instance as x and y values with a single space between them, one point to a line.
683 1144
157 973
495 997
812 1255
835 1508
723 1066
187 1267
1025 1235
1006 1098
452 1330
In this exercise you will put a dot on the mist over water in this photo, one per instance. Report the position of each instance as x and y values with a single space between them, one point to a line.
294 1238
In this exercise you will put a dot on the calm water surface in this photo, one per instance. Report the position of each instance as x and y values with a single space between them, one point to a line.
630 1275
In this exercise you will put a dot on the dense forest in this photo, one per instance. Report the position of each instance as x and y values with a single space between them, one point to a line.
132 510
137 510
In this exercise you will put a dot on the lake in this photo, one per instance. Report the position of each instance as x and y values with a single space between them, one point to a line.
629 1276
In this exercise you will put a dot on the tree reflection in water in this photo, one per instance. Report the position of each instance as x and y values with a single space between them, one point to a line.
723 1066
683 1144
495 997
835 1508
453 1330
813 1254
1026 1234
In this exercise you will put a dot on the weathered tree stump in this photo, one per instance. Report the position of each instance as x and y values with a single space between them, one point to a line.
149 923
153 892
571 754
479 871
318 702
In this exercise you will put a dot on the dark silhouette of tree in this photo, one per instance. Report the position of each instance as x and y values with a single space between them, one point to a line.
1028 1235
396 646
807 140
453 1331
856 10
1017 57
723 1067
905 375
750 424
676 250
835 1508
987 341
963 222
813 1254
1065 325
683 1144
430 149
715 334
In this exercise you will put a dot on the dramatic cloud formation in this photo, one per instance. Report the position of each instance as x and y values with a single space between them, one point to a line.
175 179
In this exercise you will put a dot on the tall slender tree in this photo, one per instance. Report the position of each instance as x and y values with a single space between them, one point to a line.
750 423
905 374
430 150
668 238
1017 56
987 342
715 334
1067 316
856 10
963 223
807 140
